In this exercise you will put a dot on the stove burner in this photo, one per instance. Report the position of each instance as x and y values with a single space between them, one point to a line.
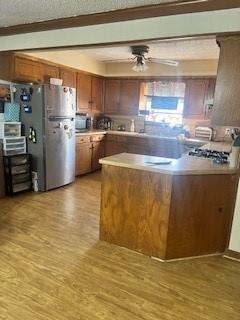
217 156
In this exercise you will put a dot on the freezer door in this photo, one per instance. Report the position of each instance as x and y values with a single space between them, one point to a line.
60 152
59 101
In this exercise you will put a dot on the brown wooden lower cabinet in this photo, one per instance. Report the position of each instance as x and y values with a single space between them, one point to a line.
112 148
83 158
166 148
89 149
166 216
98 152
155 147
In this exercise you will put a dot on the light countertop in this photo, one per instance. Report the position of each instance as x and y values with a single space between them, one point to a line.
90 132
154 136
186 165
196 142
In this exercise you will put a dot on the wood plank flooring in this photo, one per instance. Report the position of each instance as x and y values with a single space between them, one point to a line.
53 267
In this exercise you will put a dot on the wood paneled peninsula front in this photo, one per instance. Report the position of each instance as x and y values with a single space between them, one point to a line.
168 211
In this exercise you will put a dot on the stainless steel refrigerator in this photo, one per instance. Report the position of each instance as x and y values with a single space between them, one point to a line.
48 121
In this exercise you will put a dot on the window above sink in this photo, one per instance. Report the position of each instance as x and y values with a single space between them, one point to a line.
162 101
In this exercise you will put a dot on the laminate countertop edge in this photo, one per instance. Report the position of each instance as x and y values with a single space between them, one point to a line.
186 165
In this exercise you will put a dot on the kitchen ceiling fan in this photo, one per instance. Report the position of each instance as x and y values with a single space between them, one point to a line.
140 58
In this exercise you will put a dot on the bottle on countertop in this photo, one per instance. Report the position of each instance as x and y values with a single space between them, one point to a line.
132 127
234 158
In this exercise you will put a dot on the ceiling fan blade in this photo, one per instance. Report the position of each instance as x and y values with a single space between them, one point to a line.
118 60
172 63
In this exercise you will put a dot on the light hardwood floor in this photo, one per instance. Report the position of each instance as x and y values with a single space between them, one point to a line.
52 267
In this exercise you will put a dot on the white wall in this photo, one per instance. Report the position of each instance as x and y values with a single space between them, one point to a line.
185 68
235 233
142 29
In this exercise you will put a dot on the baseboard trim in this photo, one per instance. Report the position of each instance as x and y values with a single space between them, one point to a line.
187 258
233 255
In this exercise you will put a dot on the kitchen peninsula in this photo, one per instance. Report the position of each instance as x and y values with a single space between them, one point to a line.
168 211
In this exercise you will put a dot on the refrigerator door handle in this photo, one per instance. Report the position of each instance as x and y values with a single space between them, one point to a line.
59 118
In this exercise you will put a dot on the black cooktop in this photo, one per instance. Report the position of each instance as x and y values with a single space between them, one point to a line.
217 156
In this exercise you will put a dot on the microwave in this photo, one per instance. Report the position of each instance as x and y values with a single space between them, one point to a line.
82 122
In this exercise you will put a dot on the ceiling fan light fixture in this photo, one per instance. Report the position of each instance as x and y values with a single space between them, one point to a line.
140 66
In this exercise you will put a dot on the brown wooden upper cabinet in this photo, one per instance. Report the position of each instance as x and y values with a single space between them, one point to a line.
83 92
69 77
121 96
129 97
49 71
97 94
16 67
112 96
197 94
26 70
89 93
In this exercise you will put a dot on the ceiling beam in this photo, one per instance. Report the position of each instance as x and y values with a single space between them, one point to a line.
149 11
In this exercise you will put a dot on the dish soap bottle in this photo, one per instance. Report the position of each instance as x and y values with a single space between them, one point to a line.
132 127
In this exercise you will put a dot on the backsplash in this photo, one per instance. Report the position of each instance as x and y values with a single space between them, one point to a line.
126 121
218 131
160 129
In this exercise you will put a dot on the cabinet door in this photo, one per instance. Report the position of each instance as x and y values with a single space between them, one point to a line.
69 77
201 214
83 158
113 147
27 70
84 84
112 96
129 97
97 94
98 152
194 101
49 71
166 148
138 145
234 243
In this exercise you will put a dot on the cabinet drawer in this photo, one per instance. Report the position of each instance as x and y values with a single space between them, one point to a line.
96 138
22 186
82 139
19 169
20 160
25 177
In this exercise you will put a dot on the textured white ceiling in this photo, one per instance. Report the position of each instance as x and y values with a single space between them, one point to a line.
194 49
14 12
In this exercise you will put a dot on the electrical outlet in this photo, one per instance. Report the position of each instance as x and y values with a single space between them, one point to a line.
227 132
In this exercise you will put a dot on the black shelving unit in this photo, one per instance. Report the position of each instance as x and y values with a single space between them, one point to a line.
18 176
